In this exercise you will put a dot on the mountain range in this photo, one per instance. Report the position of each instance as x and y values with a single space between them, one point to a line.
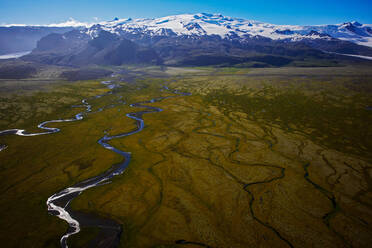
191 39
230 28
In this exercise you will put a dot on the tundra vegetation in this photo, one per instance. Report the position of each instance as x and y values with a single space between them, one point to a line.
276 157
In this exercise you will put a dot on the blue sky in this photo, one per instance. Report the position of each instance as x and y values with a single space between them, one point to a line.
273 11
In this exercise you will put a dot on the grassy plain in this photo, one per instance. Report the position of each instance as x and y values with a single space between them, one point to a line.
278 157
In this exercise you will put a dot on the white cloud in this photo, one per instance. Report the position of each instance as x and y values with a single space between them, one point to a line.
71 23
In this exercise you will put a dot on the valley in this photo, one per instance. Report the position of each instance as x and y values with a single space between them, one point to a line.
261 157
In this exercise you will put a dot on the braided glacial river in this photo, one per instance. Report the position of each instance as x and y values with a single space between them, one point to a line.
59 203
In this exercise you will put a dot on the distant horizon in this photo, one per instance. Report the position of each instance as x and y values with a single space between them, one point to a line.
75 22
286 12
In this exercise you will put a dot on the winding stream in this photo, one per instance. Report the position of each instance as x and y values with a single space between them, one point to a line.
59 203
50 130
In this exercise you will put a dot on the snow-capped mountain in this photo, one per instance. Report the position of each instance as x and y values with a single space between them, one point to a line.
228 27
201 39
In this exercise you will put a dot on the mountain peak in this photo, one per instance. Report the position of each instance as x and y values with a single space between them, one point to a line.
207 24
358 24
212 24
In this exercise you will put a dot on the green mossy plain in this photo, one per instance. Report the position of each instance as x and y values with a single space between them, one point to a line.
254 158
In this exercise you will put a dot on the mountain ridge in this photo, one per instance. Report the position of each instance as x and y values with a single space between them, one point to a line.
203 39
224 26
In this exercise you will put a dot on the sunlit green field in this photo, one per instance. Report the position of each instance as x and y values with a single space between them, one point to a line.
277 157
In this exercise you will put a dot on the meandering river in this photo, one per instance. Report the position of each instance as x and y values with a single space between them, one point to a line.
59 203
